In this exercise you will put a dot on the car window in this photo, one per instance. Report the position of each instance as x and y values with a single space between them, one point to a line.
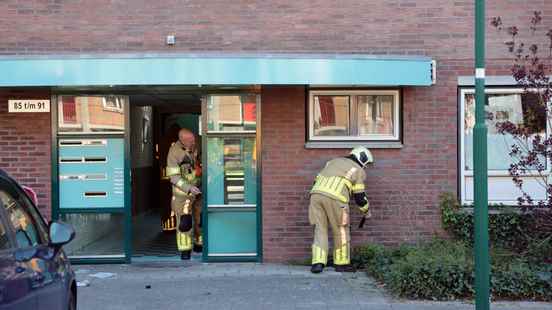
38 219
26 233
4 238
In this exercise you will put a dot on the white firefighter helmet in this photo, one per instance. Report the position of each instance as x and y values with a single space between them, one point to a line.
363 155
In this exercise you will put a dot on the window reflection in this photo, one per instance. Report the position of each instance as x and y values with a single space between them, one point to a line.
516 108
232 171
87 114
232 113
26 234
331 115
376 115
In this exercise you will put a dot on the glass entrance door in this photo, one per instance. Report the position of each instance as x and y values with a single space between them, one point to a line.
231 210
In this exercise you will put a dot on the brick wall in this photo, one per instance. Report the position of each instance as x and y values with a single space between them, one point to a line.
25 140
438 28
404 184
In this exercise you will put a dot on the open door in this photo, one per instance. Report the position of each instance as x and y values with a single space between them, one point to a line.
231 180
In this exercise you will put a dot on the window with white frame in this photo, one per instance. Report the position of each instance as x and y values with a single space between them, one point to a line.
501 104
354 115
112 103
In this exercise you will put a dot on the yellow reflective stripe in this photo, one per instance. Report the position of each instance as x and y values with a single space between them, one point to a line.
183 241
341 255
357 188
319 255
180 183
348 183
333 186
172 171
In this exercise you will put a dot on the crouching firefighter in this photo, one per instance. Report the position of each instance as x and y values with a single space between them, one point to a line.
181 168
340 180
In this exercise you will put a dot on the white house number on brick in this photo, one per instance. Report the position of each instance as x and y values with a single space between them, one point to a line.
21 105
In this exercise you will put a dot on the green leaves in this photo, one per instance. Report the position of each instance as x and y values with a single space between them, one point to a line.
444 269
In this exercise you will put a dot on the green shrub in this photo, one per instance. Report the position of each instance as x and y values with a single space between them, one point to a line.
521 258
521 280
439 270
444 270
507 229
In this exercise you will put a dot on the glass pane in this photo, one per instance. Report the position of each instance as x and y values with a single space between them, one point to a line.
26 229
516 108
232 113
232 171
96 234
376 115
331 116
89 114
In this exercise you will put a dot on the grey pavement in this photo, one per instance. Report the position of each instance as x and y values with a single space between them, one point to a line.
192 285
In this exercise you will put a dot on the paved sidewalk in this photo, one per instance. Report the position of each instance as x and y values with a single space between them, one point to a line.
176 285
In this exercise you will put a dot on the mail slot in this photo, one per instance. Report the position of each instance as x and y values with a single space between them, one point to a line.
95 194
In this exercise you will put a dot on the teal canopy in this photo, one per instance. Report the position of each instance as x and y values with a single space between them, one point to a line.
224 69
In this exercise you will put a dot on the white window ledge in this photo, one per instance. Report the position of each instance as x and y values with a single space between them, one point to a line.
351 144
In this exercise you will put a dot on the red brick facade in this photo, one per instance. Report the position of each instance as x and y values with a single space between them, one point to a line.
25 145
404 184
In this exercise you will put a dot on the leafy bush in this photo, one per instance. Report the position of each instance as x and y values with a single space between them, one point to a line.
444 270
521 280
508 228
439 270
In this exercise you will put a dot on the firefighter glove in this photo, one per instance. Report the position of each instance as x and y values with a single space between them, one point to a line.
365 209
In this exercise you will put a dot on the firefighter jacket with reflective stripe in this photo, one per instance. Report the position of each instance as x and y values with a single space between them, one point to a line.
340 178
181 168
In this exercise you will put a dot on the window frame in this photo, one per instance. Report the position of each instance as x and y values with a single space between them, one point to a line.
353 116
119 105
463 172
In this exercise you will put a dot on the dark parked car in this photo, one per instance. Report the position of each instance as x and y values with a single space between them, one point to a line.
35 273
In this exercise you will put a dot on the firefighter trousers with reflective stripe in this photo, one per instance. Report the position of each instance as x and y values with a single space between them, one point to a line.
325 212
187 204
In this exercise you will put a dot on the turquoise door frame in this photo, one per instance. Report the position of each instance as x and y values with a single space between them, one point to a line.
237 215
58 213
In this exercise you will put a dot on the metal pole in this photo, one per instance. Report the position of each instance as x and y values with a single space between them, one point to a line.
481 216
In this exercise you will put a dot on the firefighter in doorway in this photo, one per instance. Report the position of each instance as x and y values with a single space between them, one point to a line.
340 179
185 174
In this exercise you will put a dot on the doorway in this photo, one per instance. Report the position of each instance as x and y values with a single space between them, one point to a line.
225 126
111 154
154 125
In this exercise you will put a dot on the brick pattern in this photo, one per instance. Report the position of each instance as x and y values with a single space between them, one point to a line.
404 184
437 28
25 145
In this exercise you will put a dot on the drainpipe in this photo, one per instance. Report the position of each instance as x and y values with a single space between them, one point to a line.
481 215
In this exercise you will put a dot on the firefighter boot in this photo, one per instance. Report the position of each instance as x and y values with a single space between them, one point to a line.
317 268
198 248
185 255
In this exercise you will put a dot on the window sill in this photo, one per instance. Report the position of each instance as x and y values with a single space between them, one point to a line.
351 144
